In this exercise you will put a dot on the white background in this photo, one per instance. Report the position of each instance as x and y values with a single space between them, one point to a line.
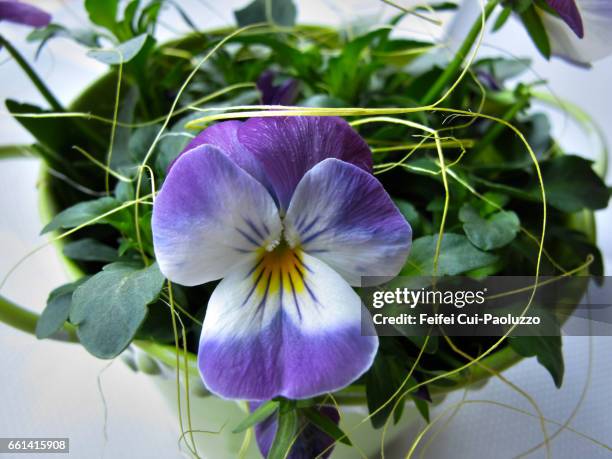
51 389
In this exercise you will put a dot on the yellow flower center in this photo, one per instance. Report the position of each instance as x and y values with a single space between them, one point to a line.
279 270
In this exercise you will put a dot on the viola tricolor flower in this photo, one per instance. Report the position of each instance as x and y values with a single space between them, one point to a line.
583 31
288 214
272 93
311 442
23 13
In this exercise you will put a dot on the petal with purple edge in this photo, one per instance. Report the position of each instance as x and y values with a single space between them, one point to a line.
284 326
343 216
209 216
568 11
288 147
225 137
597 41
23 13
311 442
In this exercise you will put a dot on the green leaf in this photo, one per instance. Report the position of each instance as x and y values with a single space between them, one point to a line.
127 23
422 406
397 412
409 212
156 326
109 308
323 100
57 310
493 232
45 130
572 185
520 193
520 6
400 52
102 12
382 381
282 12
501 19
141 140
457 255
148 17
574 247
538 133
420 341
123 53
288 423
56 135
347 74
81 213
16 151
262 413
326 425
548 350
536 30
493 202
440 6
90 250
504 69
85 37
168 149
121 158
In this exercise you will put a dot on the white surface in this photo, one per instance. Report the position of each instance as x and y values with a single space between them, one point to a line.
51 389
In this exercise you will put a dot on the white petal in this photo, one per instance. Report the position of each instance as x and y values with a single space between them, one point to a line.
209 215
294 331
343 216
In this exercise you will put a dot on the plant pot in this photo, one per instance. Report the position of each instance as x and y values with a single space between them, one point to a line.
212 414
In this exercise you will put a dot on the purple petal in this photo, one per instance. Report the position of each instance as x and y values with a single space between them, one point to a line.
208 216
311 441
288 147
596 44
225 137
288 326
281 94
343 216
23 13
568 11
488 80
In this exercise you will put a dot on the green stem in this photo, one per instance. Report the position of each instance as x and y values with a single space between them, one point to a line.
453 67
167 354
24 320
34 78
16 151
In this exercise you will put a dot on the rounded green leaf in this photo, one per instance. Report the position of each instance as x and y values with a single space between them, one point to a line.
493 232
109 308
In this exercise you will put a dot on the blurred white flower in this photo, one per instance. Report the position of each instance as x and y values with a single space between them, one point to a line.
583 31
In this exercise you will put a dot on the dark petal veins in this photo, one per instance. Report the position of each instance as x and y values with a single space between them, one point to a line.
224 136
343 216
288 147
286 326
205 214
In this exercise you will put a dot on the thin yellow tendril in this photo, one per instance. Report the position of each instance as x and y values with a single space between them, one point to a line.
104 167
